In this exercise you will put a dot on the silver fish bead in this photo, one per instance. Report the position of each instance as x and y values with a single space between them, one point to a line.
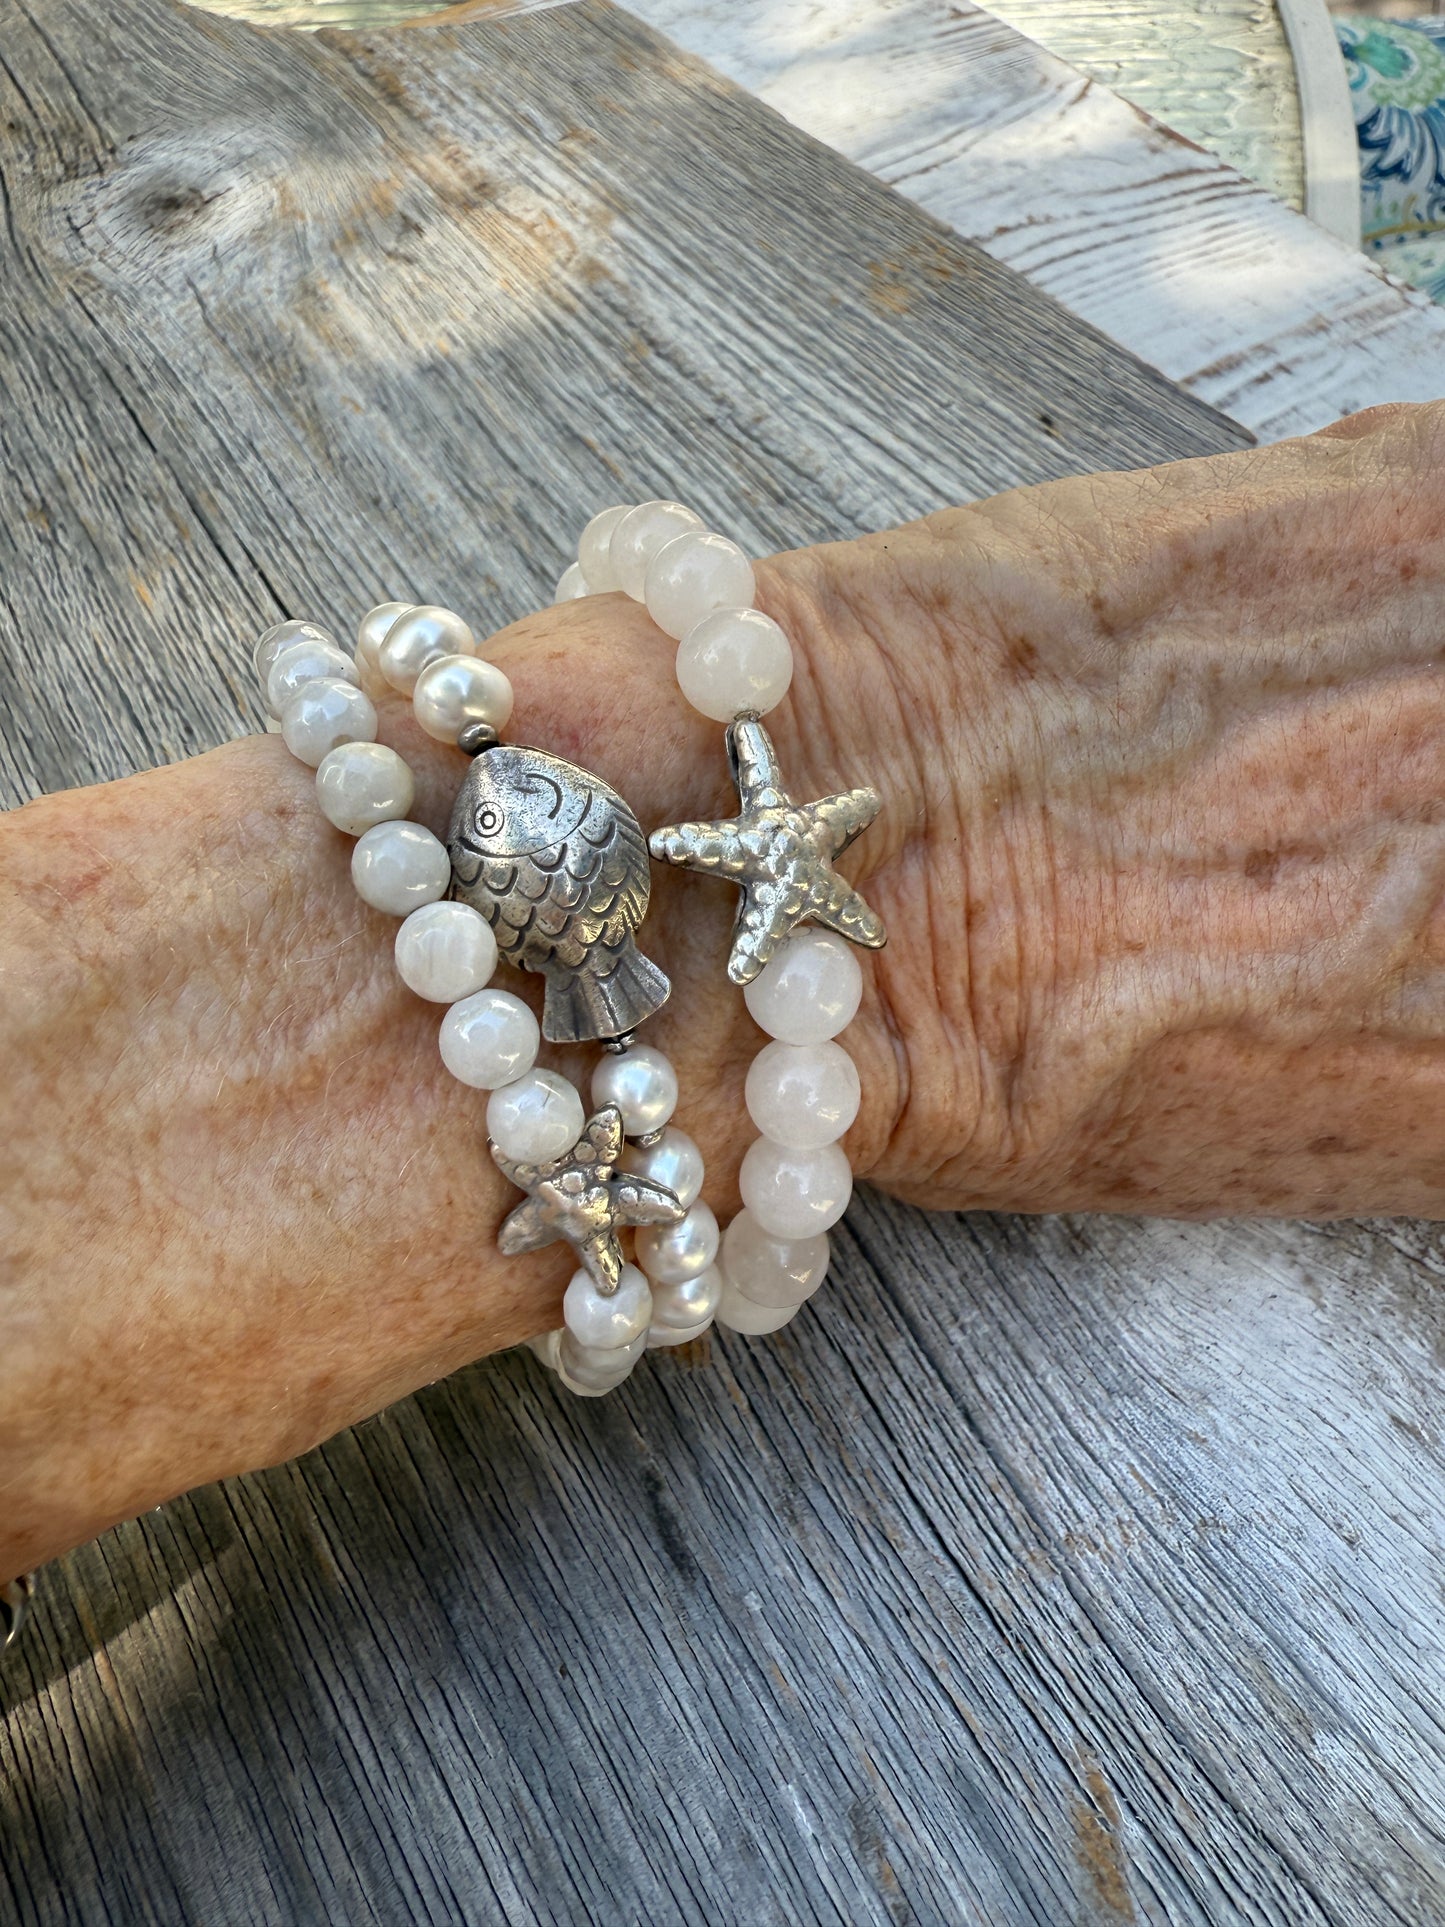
557 864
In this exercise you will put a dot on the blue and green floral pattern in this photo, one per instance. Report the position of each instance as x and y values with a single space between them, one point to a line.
1397 83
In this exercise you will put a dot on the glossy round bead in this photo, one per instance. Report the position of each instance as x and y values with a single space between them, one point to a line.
418 637
641 1083
794 1194
571 585
399 867
639 535
536 1118
360 784
659 1336
602 1322
669 1253
594 551
456 690
592 1373
803 1095
772 1271
674 1162
489 1040
739 1314
302 662
694 574
445 951
324 714
372 628
688 1302
810 990
280 636
733 661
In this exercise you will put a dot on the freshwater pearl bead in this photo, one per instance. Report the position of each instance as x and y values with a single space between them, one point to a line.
772 1271
594 551
360 784
687 1303
659 1336
733 661
418 637
571 584
694 574
794 1194
445 951
674 1162
280 636
302 662
456 690
324 714
669 1253
536 1118
399 867
740 1314
641 1083
803 1095
639 535
591 1373
604 1323
489 1040
372 628
810 990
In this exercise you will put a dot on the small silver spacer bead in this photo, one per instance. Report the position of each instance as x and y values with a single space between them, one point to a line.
617 1045
649 1138
476 738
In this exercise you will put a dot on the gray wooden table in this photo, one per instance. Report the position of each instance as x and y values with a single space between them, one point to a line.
1048 1571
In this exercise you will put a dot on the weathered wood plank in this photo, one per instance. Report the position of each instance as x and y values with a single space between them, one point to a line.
1049 1572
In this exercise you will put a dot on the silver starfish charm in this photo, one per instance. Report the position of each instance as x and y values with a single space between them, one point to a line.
781 855
576 1197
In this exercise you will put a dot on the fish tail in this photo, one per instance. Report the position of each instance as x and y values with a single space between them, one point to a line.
603 1001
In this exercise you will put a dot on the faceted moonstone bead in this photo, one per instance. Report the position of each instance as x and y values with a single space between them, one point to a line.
594 551
445 951
639 535
400 866
803 1095
669 1253
733 661
772 1271
489 1040
810 990
303 662
363 783
794 1194
372 628
641 1083
456 690
604 1323
740 1314
687 1304
674 1162
592 1373
280 636
694 574
324 714
418 637
536 1118
571 585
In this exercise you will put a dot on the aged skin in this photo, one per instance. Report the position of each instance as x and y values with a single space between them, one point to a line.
1161 862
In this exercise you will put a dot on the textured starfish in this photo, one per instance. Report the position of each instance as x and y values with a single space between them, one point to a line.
578 1198
780 853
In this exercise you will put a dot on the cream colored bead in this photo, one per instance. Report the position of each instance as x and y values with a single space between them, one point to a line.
769 1270
360 784
604 1321
794 1194
694 574
809 991
445 951
594 551
687 1303
303 662
456 690
734 662
571 585
397 867
280 636
489 1040
641 1083
740 1314
674 1162
802 1095
661 1336
322 715
669 1253
639 535
536 1118
371 632
420 636
591 1373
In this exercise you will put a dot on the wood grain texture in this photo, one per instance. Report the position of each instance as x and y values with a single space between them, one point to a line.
1048 1572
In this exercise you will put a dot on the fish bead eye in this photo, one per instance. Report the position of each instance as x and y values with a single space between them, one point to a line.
489 819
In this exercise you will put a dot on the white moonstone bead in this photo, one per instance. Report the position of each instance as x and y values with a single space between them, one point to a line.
740 1314
489 1040
420 636
360 784
803 1095
641 1083
733 661
456 690
446 951
603 1323
794 1194
280 636
594 551
810 990
372 628
571 585
674 1162
772 1271
399 867
592 1373
323 715
687 1303
639 535
669 1253
537 1117
694 574
303 662
659 1336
